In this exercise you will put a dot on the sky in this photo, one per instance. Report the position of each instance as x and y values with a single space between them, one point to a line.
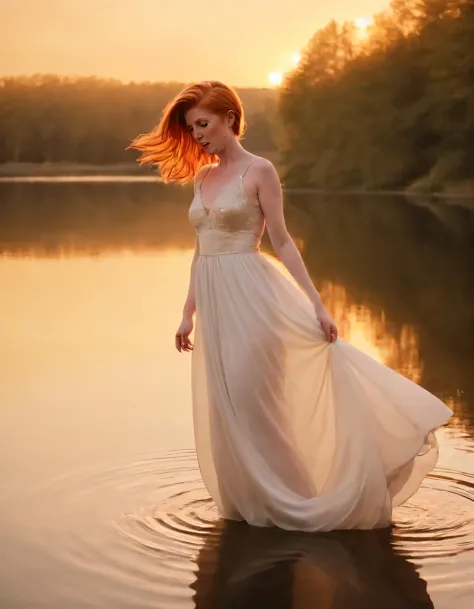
164 40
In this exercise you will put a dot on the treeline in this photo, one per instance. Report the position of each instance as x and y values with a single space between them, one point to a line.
48 119
394 109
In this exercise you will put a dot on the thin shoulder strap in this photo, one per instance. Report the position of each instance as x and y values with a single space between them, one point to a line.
205 175
248 167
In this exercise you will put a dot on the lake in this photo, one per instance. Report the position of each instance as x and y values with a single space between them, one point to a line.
102 503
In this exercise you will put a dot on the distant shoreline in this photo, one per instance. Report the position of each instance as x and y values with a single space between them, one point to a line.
460 192
53 170
40 171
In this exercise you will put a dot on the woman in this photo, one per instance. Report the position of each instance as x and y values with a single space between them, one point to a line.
294 427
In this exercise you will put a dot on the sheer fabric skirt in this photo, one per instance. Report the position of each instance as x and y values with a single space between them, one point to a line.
290 430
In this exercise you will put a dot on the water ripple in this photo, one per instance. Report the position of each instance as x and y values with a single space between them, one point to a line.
131 535
439 520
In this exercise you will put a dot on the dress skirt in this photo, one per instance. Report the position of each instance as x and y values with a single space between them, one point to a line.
291 430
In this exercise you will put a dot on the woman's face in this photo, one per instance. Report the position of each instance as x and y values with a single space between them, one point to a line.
211 131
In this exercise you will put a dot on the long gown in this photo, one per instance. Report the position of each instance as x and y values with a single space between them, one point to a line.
291 430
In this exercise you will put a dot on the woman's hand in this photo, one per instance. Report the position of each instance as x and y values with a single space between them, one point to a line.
328 326
182 335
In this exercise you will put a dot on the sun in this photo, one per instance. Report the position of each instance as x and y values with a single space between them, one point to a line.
287 63
363 24
275 78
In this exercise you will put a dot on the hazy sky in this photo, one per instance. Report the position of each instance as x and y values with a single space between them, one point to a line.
239 42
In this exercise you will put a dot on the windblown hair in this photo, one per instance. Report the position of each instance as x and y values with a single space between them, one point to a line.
171 147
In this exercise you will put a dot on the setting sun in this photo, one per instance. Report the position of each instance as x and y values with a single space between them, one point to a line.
275 78
363 23
290 62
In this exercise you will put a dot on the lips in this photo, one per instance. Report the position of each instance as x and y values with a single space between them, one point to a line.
204 144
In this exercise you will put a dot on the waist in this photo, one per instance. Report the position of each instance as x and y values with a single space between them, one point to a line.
216 242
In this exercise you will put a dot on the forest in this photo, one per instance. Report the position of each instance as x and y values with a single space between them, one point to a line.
51 119
391 110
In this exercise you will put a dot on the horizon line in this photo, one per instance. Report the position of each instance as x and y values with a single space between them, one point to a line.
128 81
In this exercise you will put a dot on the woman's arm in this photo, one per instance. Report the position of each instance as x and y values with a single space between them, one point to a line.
186 326
190 304
271 201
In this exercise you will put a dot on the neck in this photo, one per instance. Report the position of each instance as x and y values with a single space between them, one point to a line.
232 153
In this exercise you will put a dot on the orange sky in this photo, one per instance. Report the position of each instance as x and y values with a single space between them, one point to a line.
239 42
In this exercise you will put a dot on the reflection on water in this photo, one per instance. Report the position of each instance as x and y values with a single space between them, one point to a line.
68 219
251 567
102 504
410 263
371 332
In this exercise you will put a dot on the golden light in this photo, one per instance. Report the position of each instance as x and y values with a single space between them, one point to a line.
275 78
296 59
363 24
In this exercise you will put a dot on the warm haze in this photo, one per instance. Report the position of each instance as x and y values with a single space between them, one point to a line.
157 40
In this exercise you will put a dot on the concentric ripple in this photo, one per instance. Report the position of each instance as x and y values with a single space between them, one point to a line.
132 535
439 522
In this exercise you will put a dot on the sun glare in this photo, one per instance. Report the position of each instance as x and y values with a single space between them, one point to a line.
363 24
287 63
296 59
275 78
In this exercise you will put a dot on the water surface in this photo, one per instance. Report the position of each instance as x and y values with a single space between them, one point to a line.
102 504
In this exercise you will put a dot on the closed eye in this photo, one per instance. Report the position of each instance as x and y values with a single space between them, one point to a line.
190 129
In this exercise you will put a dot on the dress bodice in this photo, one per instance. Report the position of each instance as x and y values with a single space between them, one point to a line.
233 224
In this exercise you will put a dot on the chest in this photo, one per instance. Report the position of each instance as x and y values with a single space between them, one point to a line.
228 213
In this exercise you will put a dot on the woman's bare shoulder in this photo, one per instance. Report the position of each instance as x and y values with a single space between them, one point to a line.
263 167
201 172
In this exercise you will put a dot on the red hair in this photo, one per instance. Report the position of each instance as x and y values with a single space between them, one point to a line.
171 147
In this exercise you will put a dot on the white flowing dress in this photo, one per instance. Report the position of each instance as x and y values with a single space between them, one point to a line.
291 430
